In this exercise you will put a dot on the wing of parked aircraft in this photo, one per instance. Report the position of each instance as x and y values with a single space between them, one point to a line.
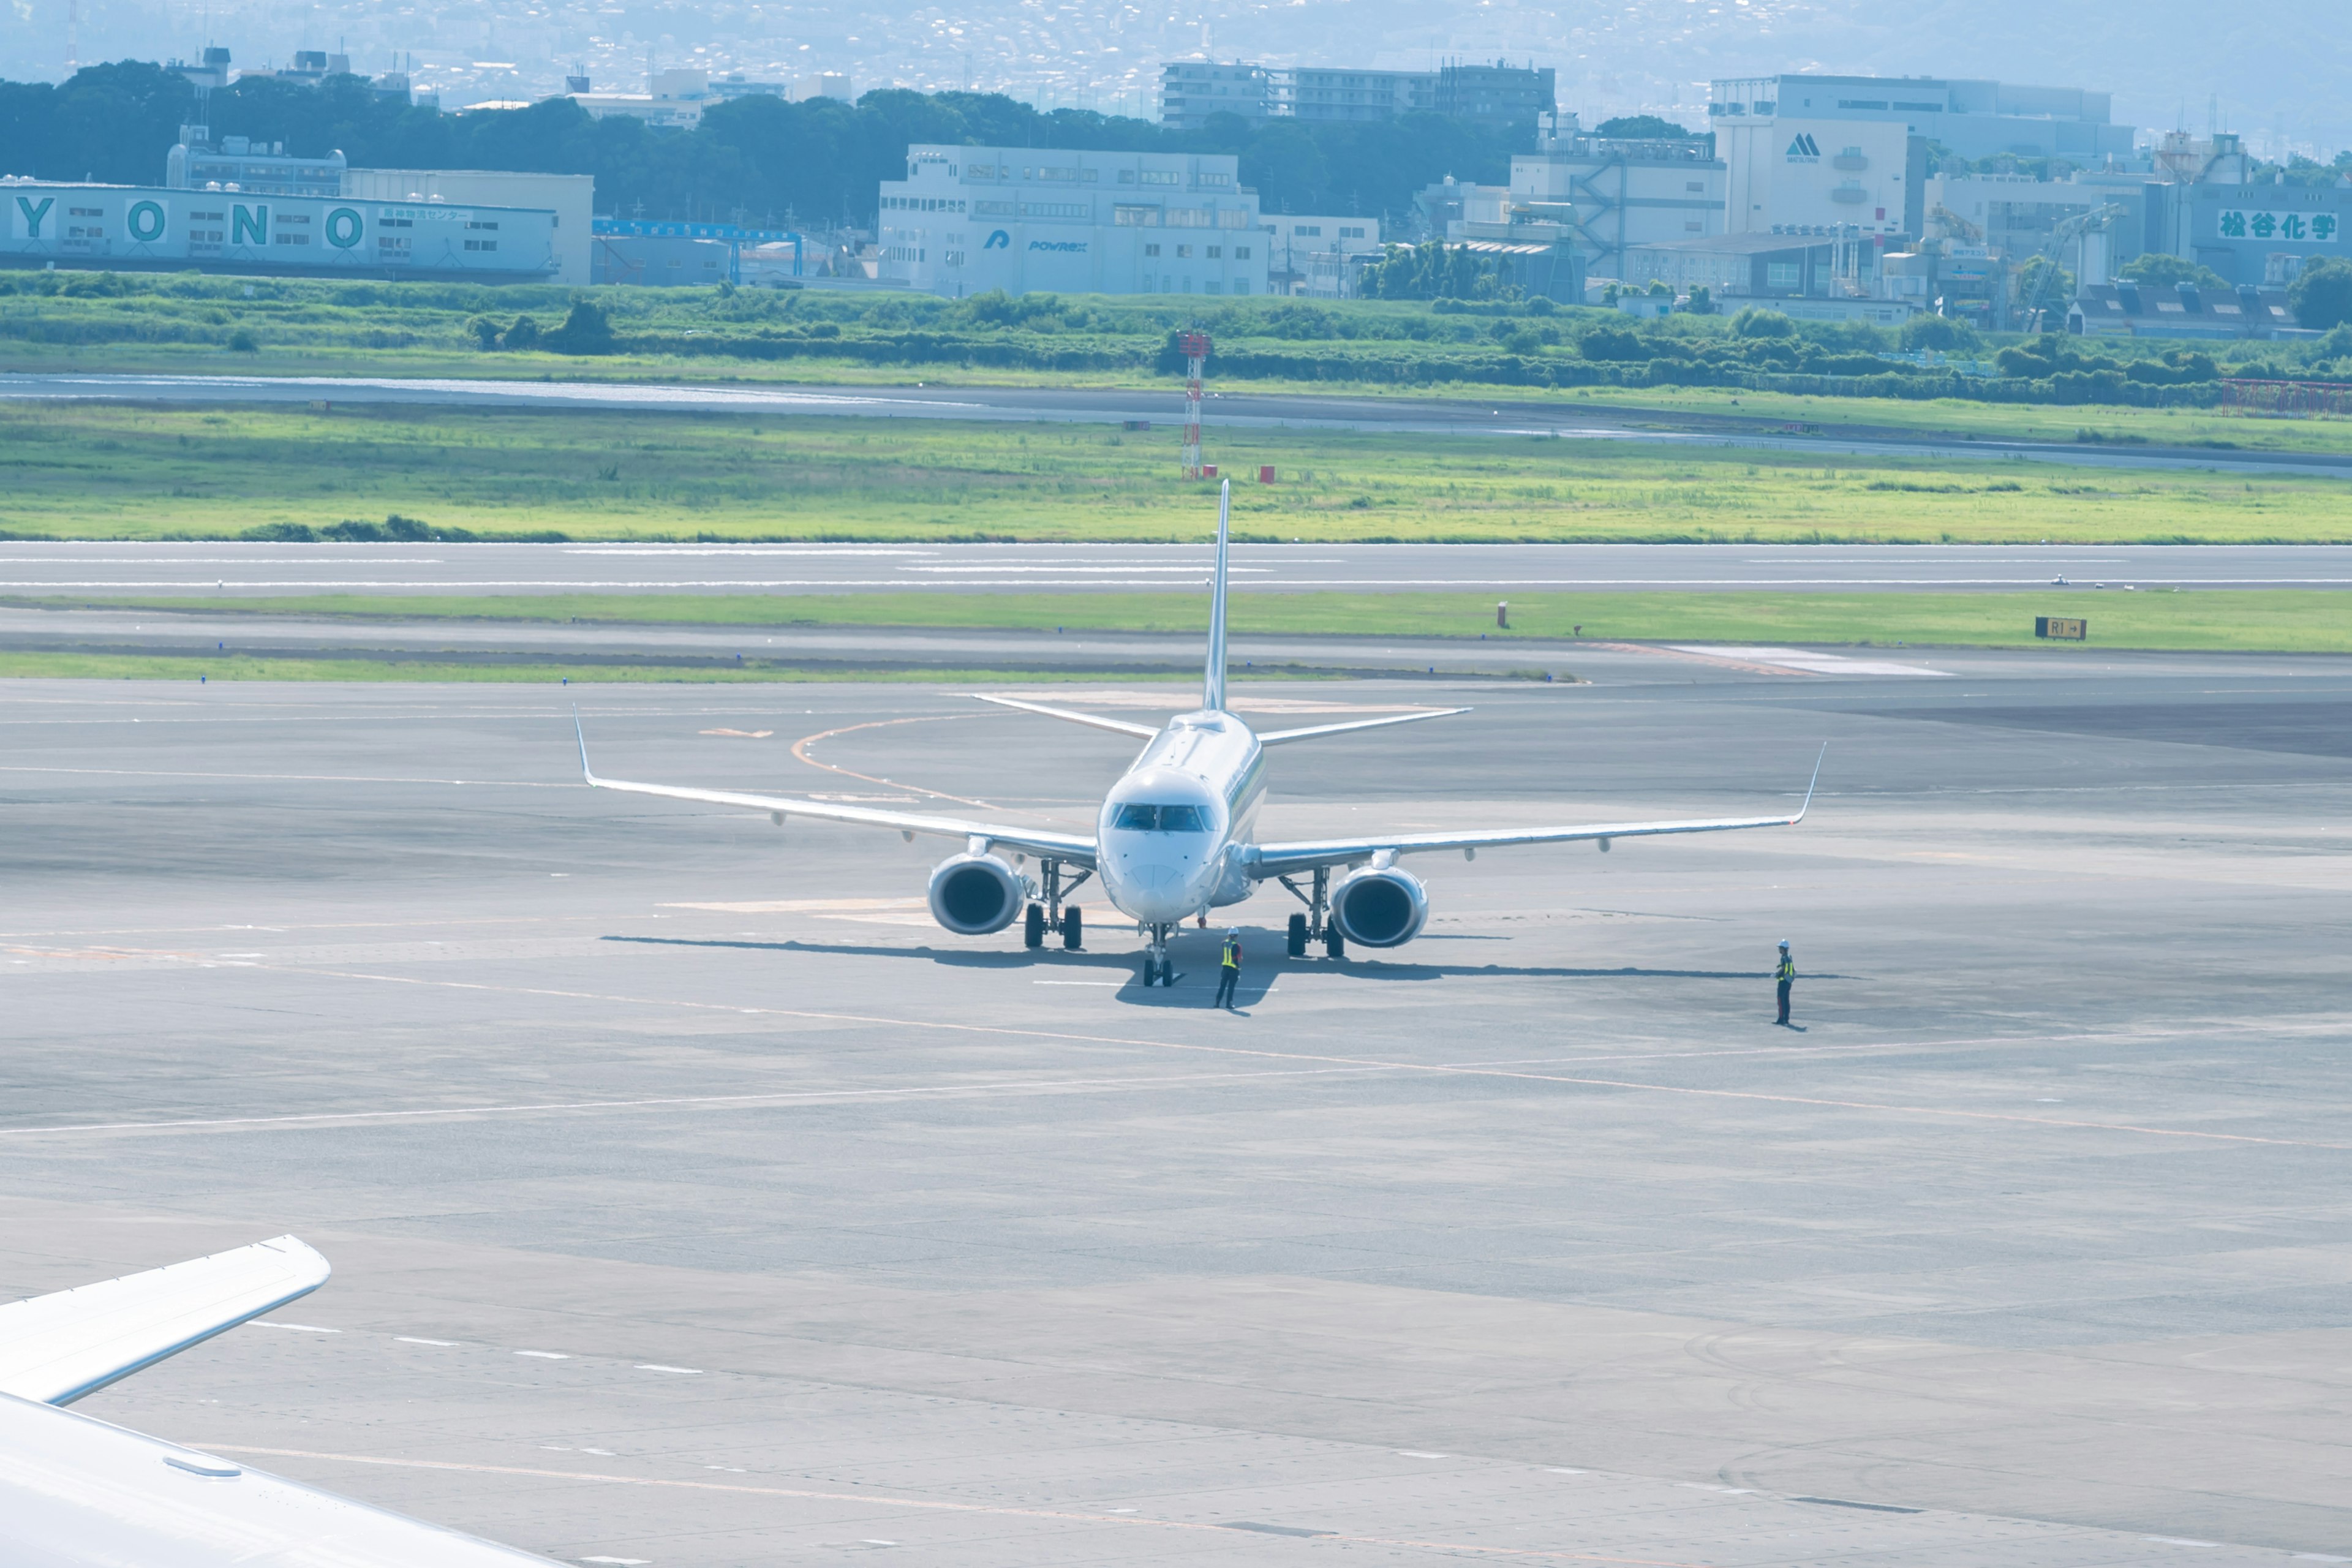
1305 854
1078 849
81 1493
55 1349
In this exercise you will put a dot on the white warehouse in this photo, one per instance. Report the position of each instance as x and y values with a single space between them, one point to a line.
968 219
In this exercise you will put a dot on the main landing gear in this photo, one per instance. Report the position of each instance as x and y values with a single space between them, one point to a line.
1158 968
1049 914
1315 925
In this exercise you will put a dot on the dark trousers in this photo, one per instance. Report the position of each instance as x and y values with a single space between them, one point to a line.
1784 1001
1225 987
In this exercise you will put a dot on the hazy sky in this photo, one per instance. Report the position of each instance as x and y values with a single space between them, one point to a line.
2278 71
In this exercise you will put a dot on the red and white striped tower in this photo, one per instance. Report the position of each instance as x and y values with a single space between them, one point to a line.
1195 346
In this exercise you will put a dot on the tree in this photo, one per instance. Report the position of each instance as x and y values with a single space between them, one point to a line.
1940 333
1642 128
1751 322
2042 282
2158 270
2321 294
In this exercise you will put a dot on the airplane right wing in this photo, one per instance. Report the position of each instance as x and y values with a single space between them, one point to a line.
54 1349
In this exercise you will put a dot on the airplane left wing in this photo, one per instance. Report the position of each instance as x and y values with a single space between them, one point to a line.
1075 847
1281 859
54 1349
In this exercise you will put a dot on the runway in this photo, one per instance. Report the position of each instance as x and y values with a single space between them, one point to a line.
240 570
1496 415
695 1202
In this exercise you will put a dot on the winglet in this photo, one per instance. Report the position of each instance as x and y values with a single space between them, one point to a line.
1809 787
1213 679
586 775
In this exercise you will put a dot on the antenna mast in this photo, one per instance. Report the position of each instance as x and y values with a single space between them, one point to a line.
1195 349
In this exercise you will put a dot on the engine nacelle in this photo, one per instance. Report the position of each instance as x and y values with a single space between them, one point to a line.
1380 908
972 895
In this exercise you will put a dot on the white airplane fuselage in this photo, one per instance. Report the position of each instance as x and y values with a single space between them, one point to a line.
1173 828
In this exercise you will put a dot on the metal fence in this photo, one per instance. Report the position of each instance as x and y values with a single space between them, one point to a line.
2288 396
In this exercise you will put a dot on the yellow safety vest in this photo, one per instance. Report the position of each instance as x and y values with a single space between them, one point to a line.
1232 956
1788 969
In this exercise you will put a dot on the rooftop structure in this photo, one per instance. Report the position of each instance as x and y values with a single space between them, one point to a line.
1610 193
1969 118
256 168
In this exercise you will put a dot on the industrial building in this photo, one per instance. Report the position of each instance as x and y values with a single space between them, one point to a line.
1819 150
1316 256
570 199
159 229
1613 193
968 219
2183 310
2255 233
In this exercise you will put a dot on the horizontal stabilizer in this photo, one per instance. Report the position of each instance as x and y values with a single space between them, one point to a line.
54 1348
1280 737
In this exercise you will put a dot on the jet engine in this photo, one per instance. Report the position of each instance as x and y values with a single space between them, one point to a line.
972 895
1380 908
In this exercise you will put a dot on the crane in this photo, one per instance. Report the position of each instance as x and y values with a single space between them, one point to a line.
2097 220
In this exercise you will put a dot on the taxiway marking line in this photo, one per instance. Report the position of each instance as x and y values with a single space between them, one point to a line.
1001 1088
935 1505
1343 1063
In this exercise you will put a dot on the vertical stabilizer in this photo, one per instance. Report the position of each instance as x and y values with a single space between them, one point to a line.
1213 680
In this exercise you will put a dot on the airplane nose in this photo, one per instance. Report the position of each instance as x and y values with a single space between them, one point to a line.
1155 877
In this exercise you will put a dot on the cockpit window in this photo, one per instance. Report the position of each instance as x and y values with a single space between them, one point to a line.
1144 818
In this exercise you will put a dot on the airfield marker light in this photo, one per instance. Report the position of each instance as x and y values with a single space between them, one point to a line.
1502 614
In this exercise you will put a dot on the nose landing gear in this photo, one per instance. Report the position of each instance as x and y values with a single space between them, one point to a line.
1158 968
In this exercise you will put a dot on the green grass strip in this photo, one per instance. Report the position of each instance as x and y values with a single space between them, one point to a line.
2266 620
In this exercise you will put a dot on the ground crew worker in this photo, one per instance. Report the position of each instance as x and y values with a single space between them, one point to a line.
1787 976
1231 970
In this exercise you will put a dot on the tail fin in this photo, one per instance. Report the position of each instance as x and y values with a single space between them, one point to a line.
1212 681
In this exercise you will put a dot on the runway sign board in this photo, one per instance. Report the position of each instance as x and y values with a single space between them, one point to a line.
2061 628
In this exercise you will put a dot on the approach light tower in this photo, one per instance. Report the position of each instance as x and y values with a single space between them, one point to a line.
1195 347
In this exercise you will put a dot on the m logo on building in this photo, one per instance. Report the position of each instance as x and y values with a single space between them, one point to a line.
1804 149
997 240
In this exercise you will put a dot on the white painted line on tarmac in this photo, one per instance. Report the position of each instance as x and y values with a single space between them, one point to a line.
545 1356
296 1327
407 1340
680 1371
1113 984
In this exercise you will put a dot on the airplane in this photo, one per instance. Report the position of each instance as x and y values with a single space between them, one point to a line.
77 1492
1176 834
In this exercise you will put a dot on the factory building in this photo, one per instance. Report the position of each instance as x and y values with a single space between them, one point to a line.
1316 256
159 229
1613 193
968 219
2253 235
1823 149
570 198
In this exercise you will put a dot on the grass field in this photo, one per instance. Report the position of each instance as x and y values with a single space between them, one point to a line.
1985 421
237 667
93 472
2279 621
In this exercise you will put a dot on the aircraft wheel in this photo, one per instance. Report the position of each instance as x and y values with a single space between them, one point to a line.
1334 945
1032 929
1150 973
1074 931
1299 936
